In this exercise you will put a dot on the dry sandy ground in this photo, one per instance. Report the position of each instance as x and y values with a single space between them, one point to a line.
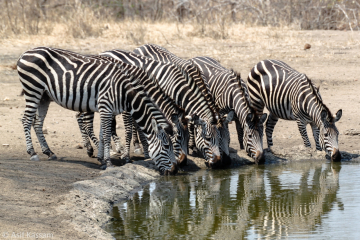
69 198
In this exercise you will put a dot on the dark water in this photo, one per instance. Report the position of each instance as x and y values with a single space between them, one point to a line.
314 200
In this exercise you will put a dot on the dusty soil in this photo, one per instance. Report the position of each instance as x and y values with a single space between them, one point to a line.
69 198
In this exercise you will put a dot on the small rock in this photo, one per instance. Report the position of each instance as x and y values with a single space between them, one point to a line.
45 131
6 99
118 126
6 145
10 107
307 46
78 146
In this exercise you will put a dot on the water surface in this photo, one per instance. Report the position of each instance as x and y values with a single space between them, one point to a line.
316 200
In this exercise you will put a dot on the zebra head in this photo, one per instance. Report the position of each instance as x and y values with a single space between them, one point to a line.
224 137
253 135
181 138
329 134
161 150
206 138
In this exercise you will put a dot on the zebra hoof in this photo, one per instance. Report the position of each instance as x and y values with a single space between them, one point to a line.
52 157
35 158
103 167
138 151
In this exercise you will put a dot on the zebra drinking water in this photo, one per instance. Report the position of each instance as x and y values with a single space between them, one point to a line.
227 92
172 112
84 84
183 89
188 68
230 93
291 95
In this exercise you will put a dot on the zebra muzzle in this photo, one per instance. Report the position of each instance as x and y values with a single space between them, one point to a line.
259 158
336 156
182 160
215 162
174 169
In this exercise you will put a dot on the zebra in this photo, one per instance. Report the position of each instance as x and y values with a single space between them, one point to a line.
223 85
185 92
291 95
84 84
172 112
230 93
188 67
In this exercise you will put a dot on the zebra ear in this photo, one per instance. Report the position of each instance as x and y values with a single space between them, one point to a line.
249 117
263 118
228 117
323 115
174 118
338 115
154 125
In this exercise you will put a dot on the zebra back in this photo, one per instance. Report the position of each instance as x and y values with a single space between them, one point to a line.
187 67
184 91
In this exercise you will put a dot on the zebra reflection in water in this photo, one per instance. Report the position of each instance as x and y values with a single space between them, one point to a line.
274 201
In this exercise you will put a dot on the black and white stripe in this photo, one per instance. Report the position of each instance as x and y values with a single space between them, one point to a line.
230 94
173 113
202 142
84 84
184 91
290 95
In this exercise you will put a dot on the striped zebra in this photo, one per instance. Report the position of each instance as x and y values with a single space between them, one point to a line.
173 113
84 84
189 68
185 92
230 93
291 95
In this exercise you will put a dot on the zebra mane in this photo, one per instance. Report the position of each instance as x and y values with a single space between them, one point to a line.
200 83
206 92
243 91
319 99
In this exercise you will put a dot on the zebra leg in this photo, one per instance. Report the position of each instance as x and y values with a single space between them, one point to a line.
316 132
136 141
240 132
128 122
105 140
143 142
38 126
192 140
84 135
118 146
270 125
191 136
303 132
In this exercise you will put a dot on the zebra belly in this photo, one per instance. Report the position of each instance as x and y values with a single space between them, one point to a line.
83 105
282 112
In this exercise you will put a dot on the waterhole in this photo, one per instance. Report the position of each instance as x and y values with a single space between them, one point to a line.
317 200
